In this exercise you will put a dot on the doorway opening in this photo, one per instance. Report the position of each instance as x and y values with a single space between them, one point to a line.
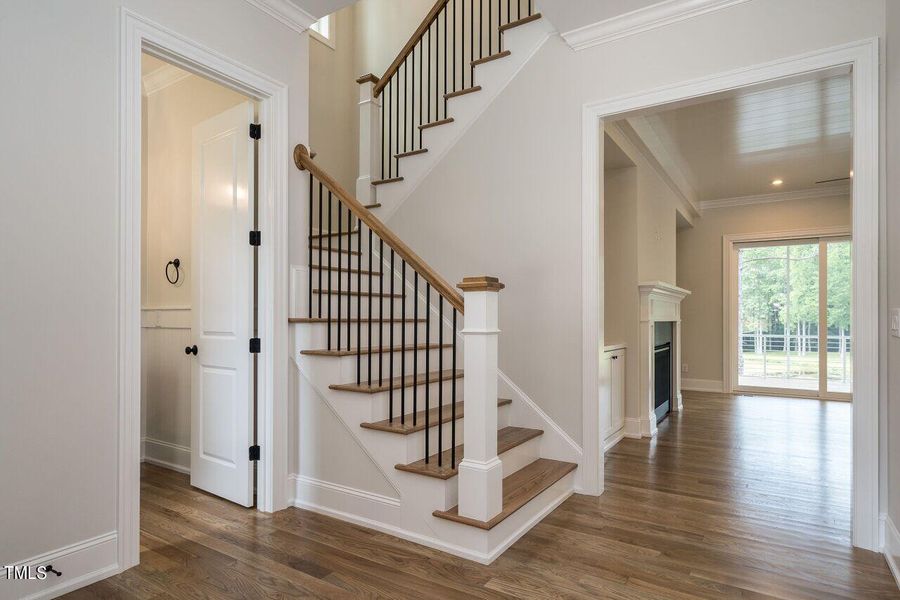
199 280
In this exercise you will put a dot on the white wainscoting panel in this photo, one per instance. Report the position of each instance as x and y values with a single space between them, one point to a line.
701 385
166 387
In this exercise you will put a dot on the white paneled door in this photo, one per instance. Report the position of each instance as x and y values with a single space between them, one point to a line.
222 297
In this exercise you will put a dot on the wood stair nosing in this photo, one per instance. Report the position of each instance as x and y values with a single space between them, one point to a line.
507 439
462 92
492 57
519 489
357 293
324 320
376 205
397 382
384 181
413 423
375 350
411 153
446 121
522 21
335 249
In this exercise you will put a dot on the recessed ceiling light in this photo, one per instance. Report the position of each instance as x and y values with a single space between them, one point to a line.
777 182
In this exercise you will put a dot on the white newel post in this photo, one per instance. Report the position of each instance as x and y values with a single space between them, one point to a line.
369 137
480 472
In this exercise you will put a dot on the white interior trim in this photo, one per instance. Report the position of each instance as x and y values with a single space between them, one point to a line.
824 191
162 78
701 385
174 457
286 12
862 57
891 547
139 34
641 20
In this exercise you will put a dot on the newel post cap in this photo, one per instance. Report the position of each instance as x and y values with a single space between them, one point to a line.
482 283
368 78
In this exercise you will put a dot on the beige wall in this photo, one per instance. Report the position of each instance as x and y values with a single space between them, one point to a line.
171 113
506 199
700 269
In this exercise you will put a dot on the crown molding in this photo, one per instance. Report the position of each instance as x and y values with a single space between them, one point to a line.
162 78
641 20
825 191
286 12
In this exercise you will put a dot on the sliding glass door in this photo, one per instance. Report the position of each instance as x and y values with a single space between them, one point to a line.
793 317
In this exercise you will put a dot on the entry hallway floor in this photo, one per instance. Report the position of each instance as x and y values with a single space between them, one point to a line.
738 497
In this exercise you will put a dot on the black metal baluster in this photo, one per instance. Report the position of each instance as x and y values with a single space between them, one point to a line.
310 246
391 342
445 61
490 26
349 272
529 8
454 45
453 398
405 104
403 344
328 291
339 278
397 125
390 129
427 364
462 45
369 291
415 344
380 312
359 227
428 87
440 379
421 60
320 245
437 68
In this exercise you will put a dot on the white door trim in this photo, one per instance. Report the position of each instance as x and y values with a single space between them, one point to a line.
137 34
862 57
729 306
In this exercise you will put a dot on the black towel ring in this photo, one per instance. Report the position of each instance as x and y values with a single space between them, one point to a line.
177 264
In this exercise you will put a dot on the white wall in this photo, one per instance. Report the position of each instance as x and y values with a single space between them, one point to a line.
60 156
700 269
506 200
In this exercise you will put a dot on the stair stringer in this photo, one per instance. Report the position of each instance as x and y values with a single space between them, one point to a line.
411 517
523 42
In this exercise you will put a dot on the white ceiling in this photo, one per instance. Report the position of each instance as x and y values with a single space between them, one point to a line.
738 144
320 8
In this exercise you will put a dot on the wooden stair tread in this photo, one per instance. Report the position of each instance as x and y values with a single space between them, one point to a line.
356 293
383 181
398 382
397 321
335 249
518 489
522 21
344 270
446 121
507 439
409 427
463 92
411 153
353 351
487 59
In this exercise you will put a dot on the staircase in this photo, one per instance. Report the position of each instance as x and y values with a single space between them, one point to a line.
404 360
457 61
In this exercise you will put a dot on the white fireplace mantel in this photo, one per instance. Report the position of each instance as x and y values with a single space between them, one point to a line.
660 302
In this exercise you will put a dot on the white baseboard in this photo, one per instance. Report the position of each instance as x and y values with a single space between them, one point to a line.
613 439
702 385
81 564
632 428
891 547
166 455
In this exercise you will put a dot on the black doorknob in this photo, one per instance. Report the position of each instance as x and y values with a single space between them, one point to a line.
191 350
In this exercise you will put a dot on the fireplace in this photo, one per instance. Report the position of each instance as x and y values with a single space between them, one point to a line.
662 369
659 353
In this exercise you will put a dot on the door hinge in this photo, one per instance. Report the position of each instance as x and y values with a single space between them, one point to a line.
255 345
255 131
255 238
254 453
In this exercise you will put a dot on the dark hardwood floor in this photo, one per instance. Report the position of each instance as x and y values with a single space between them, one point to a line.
738 497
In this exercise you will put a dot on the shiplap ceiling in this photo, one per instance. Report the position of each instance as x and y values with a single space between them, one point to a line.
738 144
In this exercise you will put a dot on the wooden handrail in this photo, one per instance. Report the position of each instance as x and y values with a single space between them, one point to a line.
304 162
417 34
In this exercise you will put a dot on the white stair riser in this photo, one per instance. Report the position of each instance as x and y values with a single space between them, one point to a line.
314 336
383 368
